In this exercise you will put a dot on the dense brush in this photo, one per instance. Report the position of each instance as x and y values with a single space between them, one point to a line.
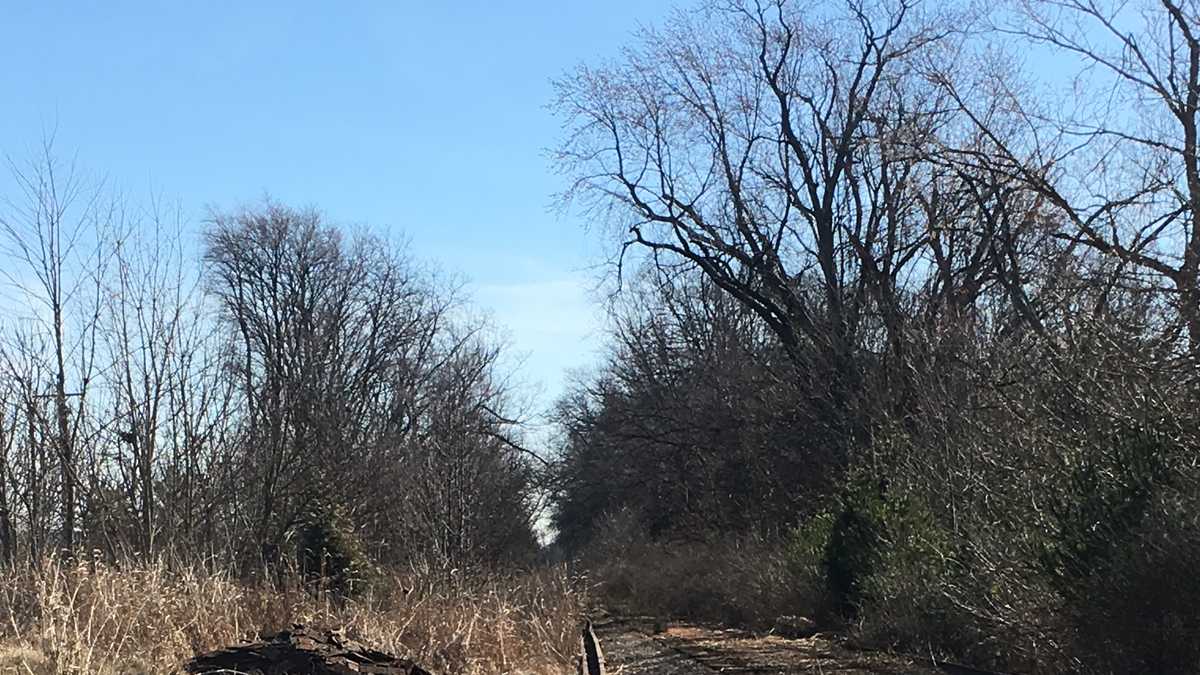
150 618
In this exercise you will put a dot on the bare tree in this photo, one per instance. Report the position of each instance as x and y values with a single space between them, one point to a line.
463 478
354 380
337 370
150 297
1119 165
52 233
8 435
770 145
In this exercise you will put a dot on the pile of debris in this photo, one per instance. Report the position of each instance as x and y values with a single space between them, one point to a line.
302 651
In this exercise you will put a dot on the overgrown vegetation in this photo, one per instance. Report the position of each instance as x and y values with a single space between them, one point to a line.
150 618
905 338
288 420
894 312
297 381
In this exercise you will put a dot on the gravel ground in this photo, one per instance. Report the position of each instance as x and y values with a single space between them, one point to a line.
640 647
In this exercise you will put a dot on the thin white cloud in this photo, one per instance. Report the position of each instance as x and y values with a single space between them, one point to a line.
552 323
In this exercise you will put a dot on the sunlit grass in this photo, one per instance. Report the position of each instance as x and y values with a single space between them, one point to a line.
151 618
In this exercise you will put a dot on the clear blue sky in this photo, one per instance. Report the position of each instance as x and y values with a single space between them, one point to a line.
420 119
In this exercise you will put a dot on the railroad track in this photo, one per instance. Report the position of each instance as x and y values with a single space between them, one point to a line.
642 646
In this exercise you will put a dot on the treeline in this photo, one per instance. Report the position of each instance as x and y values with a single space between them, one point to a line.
908 327
287 392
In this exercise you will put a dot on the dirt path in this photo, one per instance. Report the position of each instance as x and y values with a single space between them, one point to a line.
633 647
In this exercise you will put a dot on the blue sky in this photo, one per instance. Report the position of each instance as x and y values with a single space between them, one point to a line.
418 119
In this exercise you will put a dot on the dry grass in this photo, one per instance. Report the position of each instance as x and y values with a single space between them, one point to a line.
59 618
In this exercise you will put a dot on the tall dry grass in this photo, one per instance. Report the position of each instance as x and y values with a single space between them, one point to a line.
150 618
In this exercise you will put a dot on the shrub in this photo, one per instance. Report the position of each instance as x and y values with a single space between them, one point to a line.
907 601
744 581
331 557
853 549
1120 554
890 566
804 555
1108 492
1136 613
872 524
